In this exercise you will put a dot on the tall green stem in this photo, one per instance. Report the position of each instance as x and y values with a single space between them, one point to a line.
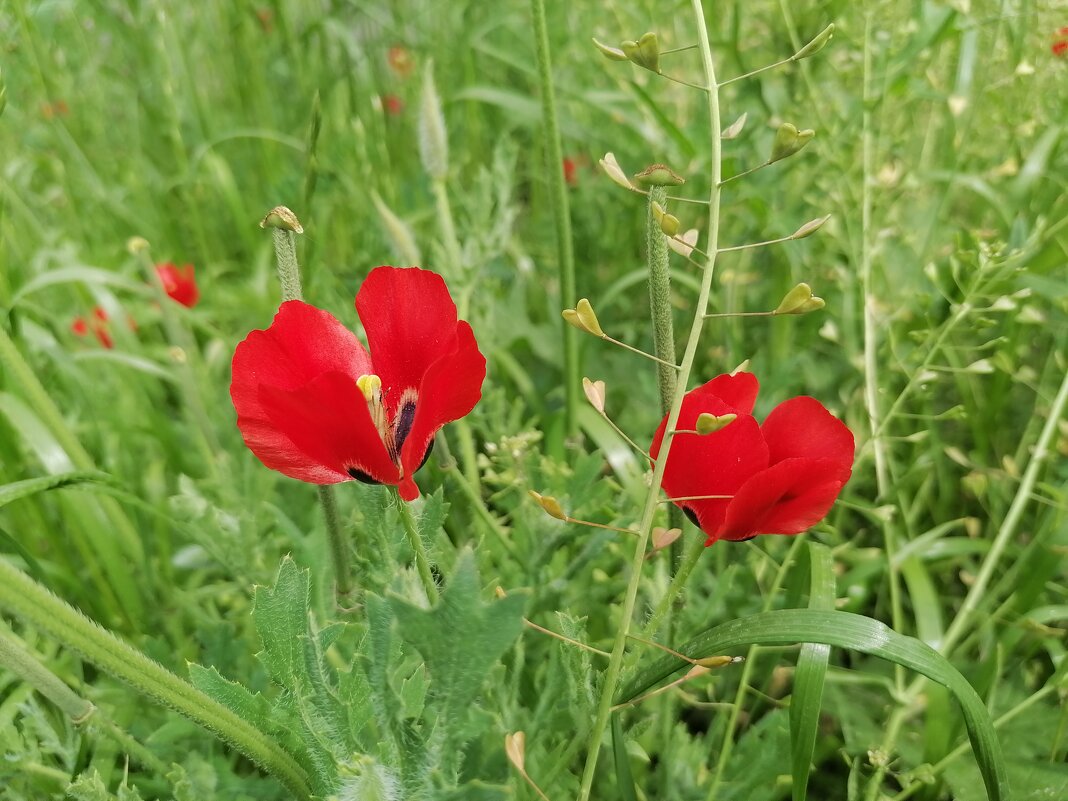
611 678
561 212
285 226
26 599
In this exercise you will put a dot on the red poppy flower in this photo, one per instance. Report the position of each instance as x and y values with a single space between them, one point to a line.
313 404
780 477
392 105
98 324
179 283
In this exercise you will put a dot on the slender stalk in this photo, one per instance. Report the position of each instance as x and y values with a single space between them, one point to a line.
26 599
632 349
757 71
690 558
285 253
612 674
561 213
415 540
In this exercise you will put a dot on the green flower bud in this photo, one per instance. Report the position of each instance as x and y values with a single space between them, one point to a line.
809 228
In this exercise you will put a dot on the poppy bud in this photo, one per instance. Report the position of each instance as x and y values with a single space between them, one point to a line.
799 300
614 171
659 175
645 52
809 228
735 128
710 423
788 141
433 141
595 393
819 41
281 217
668 223
686 246
611 53
551 506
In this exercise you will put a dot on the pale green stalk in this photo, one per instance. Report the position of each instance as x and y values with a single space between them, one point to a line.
565 254
26 599
612 674
285 252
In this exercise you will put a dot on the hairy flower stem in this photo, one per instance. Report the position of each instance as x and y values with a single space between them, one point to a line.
17 658
612 674
565 254
24 598
285 253
663 328
415 541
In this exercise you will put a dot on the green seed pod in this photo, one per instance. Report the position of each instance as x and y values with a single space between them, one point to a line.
659 175
816 45
611 53
788 141
711 423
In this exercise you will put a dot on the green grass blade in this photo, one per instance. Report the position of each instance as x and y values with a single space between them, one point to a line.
811 673
619 750
857 633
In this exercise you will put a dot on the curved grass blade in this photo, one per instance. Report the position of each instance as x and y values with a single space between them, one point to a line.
619 750
810 674
857 633
18 490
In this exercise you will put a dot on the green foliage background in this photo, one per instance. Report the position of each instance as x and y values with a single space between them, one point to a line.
183 123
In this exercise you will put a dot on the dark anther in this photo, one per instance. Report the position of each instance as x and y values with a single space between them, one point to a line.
746 539
402 426
359 475
690 513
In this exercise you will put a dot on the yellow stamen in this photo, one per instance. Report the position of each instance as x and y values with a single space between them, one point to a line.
371 387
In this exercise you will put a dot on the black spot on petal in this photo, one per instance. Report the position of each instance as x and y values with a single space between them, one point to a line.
402 426
361 476
692 515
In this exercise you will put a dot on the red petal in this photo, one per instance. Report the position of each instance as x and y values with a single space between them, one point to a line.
450 389
802 427
715 464
328 422
410 321
787 498
302 343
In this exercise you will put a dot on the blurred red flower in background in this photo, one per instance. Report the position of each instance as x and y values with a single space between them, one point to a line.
98 324
1060 43
781 477
400 61
313 404
179 283
570 171
392 105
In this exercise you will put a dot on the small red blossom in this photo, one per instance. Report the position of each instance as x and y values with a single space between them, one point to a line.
571 171
98 324
179 283
1060 43
780 477
314 404
392 105
400 61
